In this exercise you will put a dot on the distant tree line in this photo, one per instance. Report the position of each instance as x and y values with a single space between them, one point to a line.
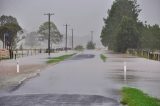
9 27
123 30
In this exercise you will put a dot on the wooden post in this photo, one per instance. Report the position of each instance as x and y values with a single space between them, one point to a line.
22 52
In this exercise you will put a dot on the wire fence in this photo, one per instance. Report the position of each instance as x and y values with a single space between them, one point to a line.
18 53
149 54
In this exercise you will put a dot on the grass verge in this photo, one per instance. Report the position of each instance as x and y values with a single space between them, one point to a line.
135 97
60 58
103 57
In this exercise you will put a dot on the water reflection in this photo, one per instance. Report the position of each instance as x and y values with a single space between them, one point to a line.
141 73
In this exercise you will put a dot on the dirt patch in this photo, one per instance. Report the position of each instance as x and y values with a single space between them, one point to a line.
9 76
10 70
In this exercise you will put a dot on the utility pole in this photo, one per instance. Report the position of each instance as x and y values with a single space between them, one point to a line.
66 36
72 39
92 36
49 28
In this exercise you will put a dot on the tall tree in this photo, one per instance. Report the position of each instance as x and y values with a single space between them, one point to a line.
150 37
7 19
119 9
9 26
56 37
128 36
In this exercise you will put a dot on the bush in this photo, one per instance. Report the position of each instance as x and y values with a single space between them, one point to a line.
90 45
103 57
79 48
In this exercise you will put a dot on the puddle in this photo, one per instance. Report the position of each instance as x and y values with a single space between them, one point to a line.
113 91
82 56
120 60
119 77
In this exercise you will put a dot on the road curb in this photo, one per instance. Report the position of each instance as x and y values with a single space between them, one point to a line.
22 81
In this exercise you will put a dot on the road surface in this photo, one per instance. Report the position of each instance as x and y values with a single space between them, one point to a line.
85 80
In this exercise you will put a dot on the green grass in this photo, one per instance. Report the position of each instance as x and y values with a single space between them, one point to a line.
135 97
103 57
7 58
59 59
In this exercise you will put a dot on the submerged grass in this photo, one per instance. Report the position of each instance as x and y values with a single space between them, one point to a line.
60 58
135 97
103 57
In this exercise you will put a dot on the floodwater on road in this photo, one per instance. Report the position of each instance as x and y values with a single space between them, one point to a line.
141 73
87 74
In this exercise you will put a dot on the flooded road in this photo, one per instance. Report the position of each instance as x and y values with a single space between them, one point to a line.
87 76
141 73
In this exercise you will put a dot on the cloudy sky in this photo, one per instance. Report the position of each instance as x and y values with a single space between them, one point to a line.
82 15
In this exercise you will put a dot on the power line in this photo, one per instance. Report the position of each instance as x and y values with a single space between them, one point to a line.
49 15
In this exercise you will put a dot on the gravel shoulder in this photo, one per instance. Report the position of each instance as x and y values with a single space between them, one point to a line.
10 78
29 67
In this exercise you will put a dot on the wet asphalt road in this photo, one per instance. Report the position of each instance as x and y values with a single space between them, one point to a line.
85 80
57 100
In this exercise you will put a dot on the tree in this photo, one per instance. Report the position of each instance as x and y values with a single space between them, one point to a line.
21 47
150 37
119 9
90 45
9 26
32 39
123 30
79 47
7 20
127 36
56 37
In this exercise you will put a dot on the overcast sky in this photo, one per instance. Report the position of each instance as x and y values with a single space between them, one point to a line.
82 15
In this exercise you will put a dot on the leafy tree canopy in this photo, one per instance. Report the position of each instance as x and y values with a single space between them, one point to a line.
9 26
119 9
123 30
127 36
90 45
56 37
